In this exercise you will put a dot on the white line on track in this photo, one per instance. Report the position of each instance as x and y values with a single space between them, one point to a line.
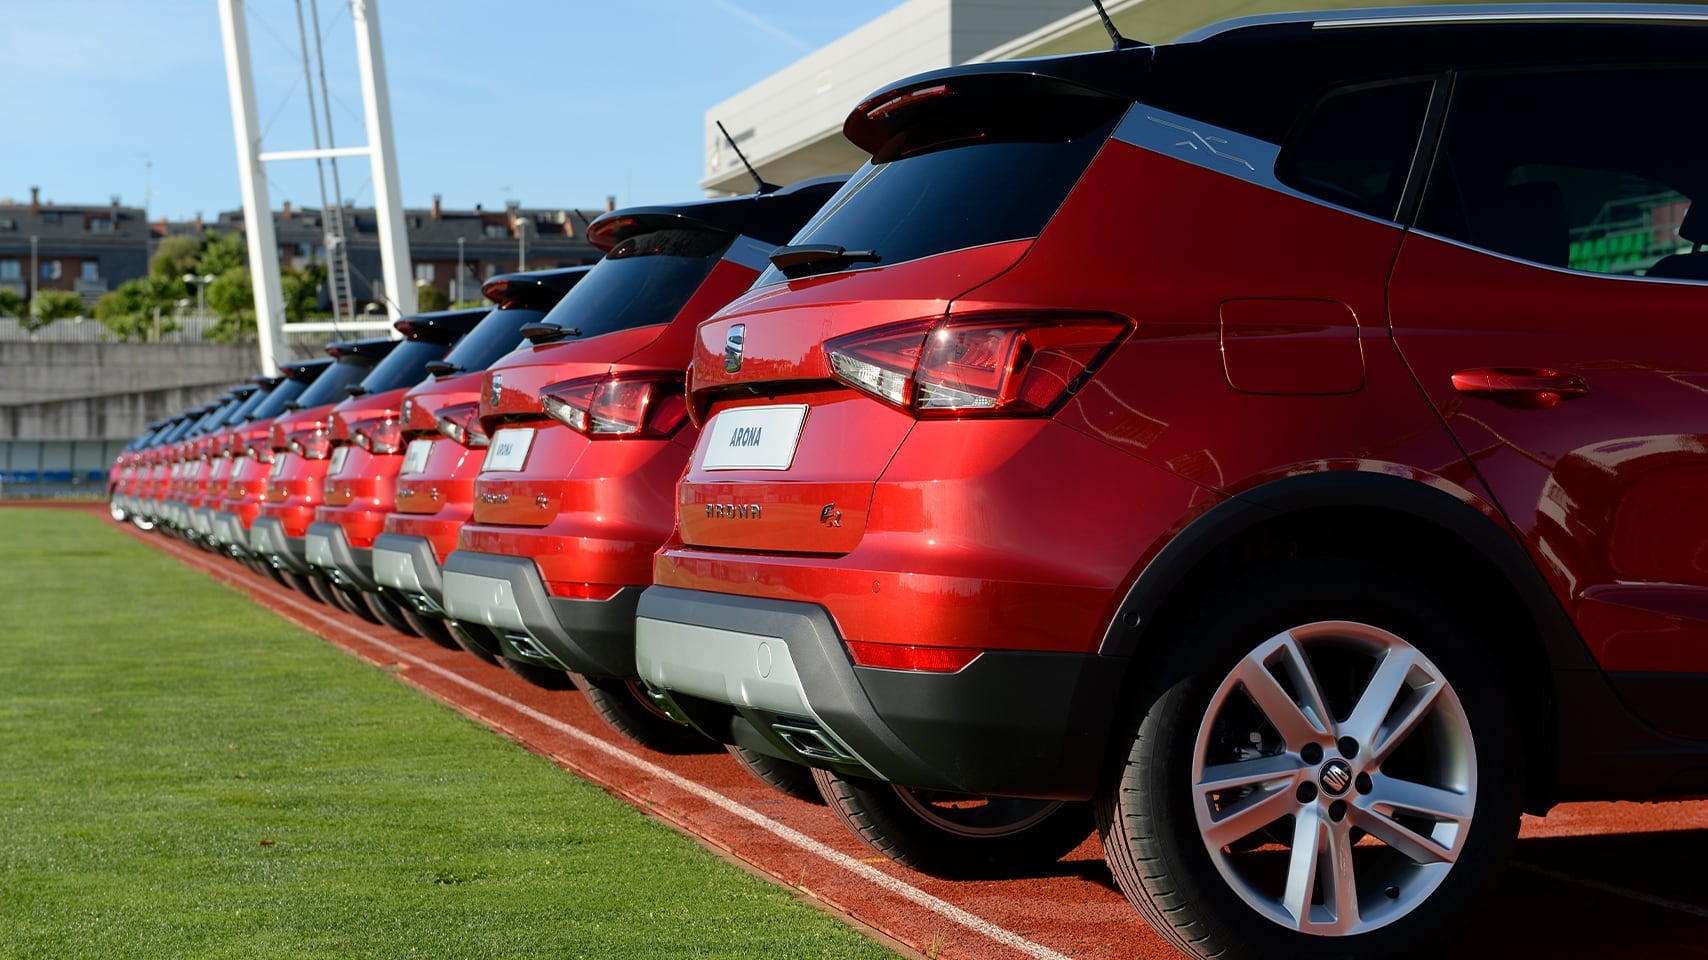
937 905
1614 889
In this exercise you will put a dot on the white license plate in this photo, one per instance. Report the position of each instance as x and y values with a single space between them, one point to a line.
339 455
508 450
240 468
415 458
279 460
754 438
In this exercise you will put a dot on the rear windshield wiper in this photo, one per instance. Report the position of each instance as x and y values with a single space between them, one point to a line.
537 333
806 259
439 368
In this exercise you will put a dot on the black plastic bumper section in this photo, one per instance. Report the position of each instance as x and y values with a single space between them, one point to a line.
1010 723
267 538
354 567
595 637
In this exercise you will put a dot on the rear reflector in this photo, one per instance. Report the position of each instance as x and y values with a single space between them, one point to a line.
895 656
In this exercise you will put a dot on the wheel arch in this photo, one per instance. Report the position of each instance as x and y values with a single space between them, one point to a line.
1359 515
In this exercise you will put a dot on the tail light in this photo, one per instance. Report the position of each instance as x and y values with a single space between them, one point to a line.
277 438
898 656
379 435
461 422
261 453
313 444
976 366
648 405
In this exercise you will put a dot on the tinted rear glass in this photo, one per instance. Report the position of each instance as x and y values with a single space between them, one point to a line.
329 386
642 282
404 366
274 403
241 412
492 338
955 197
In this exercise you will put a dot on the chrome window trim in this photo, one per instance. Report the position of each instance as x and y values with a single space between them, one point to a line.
1469 13
1219 150
1485 251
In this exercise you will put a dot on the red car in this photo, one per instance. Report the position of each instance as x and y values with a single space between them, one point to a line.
1305 462
301 441
588 438
208 483
366 435
252 458
445 447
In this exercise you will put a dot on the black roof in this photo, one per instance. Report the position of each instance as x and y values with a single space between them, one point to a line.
366 352
540 289
771 217
443 327
1254 75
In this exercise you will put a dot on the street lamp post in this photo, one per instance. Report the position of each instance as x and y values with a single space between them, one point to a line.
521 242
201 281
460 296
35 278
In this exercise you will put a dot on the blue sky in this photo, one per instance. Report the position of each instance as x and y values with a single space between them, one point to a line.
549 102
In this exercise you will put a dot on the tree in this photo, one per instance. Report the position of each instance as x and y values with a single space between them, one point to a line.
51 305
429 298
130 310
302 291
11 303
176 256
221 252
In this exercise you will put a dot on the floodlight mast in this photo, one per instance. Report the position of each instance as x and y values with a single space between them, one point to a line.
399 294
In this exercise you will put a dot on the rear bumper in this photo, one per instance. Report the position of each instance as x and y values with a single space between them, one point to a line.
201 521
327 547
508 595
268 540
774 676
408 565
229 533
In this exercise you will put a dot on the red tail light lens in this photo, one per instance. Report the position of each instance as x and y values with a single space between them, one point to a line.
896 656
313 444
972 366
630 406
380 435
461 422
261 452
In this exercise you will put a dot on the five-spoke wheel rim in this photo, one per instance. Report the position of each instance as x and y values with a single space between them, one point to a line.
1334 778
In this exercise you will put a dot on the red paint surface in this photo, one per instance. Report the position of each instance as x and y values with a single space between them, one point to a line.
1590 881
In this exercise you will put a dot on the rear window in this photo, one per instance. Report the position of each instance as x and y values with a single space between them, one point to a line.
492 338
404 366
274 403
329 386
961 194
642 282
240 412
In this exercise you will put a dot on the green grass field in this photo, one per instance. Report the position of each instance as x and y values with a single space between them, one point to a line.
183 774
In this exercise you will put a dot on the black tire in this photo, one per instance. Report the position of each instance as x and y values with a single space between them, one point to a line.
543 677
349 599
431 628
791 779
303 585
389 613
1201 758
625 707
475 640
955 835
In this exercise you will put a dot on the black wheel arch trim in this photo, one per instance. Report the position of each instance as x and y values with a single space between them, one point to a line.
1226 521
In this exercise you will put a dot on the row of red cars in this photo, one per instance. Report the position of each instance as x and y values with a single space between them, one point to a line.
1286 448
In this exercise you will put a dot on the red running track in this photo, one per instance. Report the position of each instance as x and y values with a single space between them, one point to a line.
1591 880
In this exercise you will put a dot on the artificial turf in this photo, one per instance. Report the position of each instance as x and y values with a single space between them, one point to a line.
183 774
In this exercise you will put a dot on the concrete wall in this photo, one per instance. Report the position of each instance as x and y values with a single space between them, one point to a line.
74 391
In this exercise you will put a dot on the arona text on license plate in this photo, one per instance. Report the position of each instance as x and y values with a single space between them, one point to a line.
415 458
754 438
508 450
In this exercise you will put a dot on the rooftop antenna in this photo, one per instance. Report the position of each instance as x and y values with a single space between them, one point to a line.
585 223
1109 27
760 185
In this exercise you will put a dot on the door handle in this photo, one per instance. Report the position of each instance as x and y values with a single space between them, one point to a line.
1522 388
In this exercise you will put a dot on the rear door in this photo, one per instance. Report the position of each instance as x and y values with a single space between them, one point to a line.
1576 384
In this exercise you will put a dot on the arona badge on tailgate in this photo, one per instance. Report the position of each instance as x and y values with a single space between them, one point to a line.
733 511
